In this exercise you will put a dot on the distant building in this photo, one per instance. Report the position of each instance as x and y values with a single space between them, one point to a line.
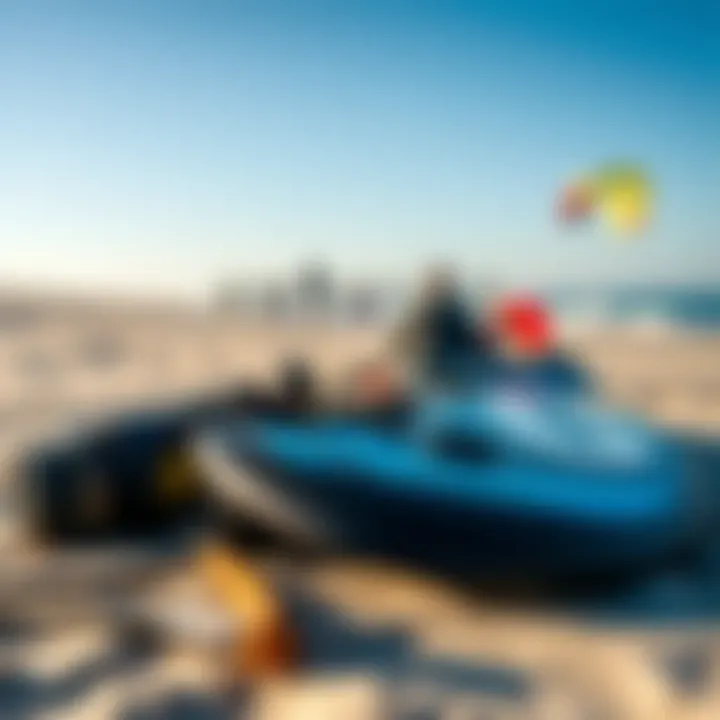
365 303
315 291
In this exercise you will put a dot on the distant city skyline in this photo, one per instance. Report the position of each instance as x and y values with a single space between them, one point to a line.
158 146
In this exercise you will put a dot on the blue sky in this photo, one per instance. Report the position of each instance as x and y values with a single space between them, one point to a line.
172 141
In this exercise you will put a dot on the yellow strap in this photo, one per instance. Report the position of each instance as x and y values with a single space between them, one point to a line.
237 583
264 645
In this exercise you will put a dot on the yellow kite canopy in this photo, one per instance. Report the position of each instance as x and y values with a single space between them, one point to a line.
620 194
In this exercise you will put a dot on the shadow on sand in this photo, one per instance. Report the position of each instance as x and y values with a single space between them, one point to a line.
333 646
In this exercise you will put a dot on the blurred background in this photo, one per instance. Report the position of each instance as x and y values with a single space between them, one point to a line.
191 191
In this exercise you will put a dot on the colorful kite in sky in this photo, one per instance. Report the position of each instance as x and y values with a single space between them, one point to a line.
620 194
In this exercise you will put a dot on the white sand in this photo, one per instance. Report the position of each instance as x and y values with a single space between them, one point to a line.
674 379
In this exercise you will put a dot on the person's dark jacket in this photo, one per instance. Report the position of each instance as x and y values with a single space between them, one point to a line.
440 337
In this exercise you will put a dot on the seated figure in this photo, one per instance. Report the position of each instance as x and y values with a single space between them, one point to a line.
437 338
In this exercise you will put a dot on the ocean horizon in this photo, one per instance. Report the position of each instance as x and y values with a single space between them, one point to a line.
596 304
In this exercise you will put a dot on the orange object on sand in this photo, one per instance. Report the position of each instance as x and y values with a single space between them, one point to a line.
375 383
265 645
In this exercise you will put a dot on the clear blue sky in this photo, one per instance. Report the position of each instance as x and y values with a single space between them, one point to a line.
176 140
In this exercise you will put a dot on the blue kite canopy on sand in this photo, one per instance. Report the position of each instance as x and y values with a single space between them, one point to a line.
481 483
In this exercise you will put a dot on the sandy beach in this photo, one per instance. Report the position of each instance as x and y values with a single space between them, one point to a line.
49 383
